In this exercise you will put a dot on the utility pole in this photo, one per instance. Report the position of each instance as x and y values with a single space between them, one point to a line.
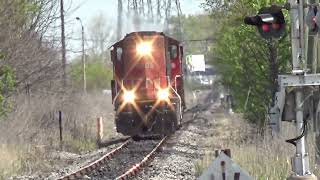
83 58
63 43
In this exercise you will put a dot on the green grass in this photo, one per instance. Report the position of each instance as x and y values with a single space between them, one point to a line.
79 145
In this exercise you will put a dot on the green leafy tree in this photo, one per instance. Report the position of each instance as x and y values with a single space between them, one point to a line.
194 28
98 75
7 86
242 57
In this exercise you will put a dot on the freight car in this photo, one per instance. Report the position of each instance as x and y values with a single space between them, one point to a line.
147 86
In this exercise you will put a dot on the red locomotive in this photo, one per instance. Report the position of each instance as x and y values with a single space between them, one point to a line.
147 89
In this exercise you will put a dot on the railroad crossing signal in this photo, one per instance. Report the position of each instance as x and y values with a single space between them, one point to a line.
269 21
313 19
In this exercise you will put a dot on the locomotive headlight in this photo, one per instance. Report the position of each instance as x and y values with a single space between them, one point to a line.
128 96
163 94
144 48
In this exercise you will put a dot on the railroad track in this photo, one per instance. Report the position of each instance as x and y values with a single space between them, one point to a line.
103 167
98 168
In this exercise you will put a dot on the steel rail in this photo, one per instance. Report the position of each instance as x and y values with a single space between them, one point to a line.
96 164
138 167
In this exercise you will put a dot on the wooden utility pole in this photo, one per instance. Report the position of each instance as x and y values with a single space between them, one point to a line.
63 43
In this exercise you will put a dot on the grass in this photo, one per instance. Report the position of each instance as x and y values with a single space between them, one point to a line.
31 132
77 145
17 159
263 163
263 157
10 161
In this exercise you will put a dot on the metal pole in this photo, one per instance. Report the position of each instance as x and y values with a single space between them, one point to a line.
301 159
300 162
83 57
295 37
301 56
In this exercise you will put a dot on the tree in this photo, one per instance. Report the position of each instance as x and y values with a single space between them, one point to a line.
22 40
97 73
100 35
28 59
242 57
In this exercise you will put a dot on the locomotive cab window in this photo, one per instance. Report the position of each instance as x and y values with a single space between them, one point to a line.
173 51
119 53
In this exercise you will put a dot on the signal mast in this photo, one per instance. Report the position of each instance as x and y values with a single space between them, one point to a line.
300 89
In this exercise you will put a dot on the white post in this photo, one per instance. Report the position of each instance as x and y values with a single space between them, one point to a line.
99 130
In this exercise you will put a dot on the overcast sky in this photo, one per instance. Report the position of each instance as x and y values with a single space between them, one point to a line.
87 9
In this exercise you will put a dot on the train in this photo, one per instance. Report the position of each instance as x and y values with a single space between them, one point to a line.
147 85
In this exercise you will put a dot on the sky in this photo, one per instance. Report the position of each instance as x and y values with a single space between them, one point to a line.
87 9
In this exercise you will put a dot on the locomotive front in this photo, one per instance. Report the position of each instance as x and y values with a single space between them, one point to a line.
146 89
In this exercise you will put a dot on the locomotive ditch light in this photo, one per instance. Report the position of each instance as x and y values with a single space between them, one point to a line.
128 97
163 94
144 48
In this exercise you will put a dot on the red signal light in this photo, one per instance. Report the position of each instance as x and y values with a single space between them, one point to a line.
270 22
265 27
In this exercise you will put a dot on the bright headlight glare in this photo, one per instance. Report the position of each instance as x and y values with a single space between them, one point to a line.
129 96
144 48
163 94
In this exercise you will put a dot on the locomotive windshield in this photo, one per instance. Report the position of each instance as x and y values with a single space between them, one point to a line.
119 53
173 51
